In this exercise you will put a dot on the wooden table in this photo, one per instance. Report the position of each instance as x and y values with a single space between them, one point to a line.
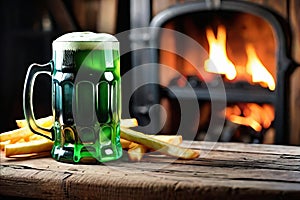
228 171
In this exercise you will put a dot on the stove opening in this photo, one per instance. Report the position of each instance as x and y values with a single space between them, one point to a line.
242 50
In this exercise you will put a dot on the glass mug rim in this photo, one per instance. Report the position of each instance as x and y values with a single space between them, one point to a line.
86 41
84 45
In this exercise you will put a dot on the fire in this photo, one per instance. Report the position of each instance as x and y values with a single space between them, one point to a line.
218 61
255 68
251 114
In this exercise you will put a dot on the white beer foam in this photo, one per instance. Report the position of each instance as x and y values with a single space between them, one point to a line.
85 40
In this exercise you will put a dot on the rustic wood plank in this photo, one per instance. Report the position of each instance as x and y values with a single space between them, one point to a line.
243 147
89 185
159 186
31 182
230 171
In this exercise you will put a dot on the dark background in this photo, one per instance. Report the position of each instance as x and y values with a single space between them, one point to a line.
24 41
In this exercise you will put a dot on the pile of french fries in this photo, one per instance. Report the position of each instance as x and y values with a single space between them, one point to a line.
22 141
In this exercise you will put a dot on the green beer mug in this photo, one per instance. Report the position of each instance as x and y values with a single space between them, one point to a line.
86 98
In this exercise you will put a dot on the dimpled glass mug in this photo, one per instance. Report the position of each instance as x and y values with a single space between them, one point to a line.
86 98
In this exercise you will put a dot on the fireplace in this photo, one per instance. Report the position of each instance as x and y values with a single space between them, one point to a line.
246 54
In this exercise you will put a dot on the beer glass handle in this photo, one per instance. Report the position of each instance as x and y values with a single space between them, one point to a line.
33 71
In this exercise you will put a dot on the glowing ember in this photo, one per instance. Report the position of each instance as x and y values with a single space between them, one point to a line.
247 121
255 68
251 114
218 61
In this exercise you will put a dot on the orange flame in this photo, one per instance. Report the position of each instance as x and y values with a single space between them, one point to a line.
218 61
255 68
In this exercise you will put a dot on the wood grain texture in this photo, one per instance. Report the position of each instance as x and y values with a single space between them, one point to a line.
227 171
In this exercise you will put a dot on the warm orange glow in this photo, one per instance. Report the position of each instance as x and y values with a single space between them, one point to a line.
251 114
268 115
264 114
247 121
218 61
234 110
255 68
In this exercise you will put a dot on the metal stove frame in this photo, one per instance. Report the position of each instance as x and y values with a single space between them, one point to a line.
285 65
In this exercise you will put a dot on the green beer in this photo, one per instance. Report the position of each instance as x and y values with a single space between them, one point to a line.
86 98
86 89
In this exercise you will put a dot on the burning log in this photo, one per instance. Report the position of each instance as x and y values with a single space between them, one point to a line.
257 117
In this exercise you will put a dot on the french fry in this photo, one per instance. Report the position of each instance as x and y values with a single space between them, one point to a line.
2 144
129 123
20 141
16 134
136 153
35 137
20 133
172 139
34 146
155 144
125 143
32 155
21 123
45 121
